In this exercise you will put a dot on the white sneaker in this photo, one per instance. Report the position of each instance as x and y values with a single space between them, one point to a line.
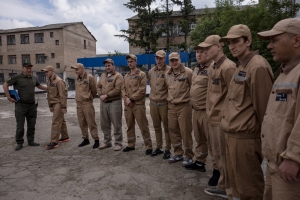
187 161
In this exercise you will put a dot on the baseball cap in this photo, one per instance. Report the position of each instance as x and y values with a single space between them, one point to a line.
131 56
108 60
48 68
77 66
160 53
237 31
210 40
198 46
174 55
290 25
27 65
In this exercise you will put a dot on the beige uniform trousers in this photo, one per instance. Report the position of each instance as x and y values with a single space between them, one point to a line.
86 119
200 126
59 125
218 145
137 113
111 113
159 114
180 129
245 174
276 188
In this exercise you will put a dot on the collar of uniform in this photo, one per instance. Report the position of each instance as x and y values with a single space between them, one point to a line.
182 69
163 68
83 77
286 68
220 61
52 78
246 60
112 73
22 74
206 65
136 72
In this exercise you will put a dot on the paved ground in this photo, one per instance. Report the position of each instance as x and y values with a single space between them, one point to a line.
70 172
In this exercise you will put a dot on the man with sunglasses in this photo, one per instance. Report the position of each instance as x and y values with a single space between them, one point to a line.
159 104
134 95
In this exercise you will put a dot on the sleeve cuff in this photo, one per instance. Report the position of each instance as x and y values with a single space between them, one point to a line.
291 155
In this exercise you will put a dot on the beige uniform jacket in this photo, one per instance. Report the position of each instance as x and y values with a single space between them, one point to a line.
179 85
281 125
134 87
159 88
86 89
110 85
199 86
57 92
218 83
247 97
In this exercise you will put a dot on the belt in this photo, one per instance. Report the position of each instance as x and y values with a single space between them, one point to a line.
158 103
26 102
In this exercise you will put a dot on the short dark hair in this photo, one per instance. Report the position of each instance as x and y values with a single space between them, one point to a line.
245 39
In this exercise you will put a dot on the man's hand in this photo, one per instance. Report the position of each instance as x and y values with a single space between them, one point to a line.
289 170
51 109
103 98
63 110
127 102
11 99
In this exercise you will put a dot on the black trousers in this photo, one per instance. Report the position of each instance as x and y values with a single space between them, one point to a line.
29 112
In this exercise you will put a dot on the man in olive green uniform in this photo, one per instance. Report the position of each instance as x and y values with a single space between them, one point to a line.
86 90
133 93
159 104
25 108
198 101
109 91
57 94
179 80
218 85
242 115
280 128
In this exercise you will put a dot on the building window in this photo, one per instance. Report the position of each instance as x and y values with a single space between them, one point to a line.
39 37
24 38
57 65
2 78
56 42
40 58
1 60
84 44
12 59
26 58
11 40
41 77
0 41
51 34
52 55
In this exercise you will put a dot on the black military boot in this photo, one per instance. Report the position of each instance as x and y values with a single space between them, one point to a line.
213 181
96 144
84 142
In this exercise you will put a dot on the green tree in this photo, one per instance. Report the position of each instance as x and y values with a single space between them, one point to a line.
141 33
186 9
258 17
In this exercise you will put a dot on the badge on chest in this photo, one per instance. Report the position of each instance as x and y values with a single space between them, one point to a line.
215 81
281 97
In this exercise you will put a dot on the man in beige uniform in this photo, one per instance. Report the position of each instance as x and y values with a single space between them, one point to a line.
159 104
242 115
57 94
109 91
281 125
86 91
133 93
179 80
198 101
218 84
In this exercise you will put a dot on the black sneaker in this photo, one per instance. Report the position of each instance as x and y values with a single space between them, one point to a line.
213 181
64 139
84 142
148 151
96 144
167 154
196 166
33 144
18 147
216 192
156 152
52 146
128 149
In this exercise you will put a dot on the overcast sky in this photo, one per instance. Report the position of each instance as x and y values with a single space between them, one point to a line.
103 18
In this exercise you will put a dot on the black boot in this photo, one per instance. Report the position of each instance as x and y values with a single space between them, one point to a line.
213 181
96 144
84 142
